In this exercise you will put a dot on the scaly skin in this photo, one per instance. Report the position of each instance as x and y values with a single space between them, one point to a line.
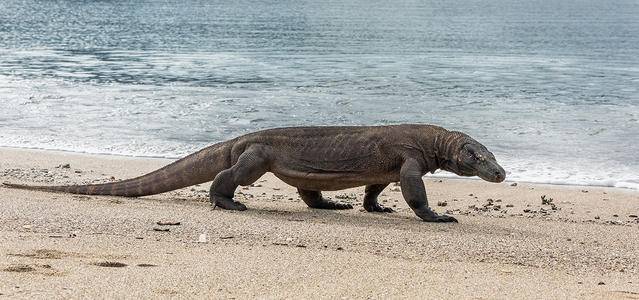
316 159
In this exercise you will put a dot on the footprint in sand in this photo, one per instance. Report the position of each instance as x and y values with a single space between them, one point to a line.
19 268
110 264
42 254
37 268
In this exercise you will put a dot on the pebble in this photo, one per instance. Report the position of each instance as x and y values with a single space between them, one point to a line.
442 203
513 184
202 238
146 265
160 229
601 283
167 222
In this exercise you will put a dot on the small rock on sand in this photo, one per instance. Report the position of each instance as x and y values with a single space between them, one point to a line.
168 223
146 265
442 203
202 238
513 184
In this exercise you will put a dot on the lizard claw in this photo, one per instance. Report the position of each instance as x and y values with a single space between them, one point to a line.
443 219
378 208
227 203
428 215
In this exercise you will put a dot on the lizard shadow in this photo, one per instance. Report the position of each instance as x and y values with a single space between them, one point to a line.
402 221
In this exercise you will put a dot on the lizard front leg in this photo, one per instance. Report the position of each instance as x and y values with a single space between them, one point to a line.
414 193
370 198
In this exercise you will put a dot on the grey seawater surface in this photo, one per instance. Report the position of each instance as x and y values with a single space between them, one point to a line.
552 87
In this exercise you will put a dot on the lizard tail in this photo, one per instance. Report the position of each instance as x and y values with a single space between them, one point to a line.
196 168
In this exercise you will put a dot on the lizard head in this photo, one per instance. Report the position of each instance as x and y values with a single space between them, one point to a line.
474 159
459 153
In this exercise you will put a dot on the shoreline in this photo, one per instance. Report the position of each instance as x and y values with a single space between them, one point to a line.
507 244
433 176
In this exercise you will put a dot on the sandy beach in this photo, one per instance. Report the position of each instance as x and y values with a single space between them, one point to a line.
579 242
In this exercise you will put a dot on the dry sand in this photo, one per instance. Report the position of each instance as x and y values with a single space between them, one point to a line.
512 246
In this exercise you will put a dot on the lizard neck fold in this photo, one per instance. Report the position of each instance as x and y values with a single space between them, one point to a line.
447 146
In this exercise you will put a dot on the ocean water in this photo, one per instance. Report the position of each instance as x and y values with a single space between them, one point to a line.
551 87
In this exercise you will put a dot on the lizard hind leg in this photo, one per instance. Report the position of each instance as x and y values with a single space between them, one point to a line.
222 191
250 166
314 199
370 198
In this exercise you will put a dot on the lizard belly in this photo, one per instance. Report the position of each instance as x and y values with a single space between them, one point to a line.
332 181
334 171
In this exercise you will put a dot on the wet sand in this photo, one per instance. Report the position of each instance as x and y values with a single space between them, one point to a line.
581 244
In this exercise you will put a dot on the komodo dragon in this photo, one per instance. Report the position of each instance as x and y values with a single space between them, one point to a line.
316 159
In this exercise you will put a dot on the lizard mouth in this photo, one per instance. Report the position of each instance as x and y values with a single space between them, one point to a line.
492 172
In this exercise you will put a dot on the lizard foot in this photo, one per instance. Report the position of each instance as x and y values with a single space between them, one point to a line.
330 204
378 208
428 215
227 203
